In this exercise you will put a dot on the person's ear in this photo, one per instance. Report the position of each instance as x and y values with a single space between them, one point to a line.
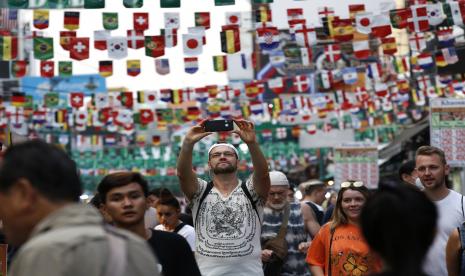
24 195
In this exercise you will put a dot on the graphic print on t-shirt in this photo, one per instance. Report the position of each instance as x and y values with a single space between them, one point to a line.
227 225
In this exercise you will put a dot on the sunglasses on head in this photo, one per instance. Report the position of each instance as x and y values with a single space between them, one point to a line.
347 184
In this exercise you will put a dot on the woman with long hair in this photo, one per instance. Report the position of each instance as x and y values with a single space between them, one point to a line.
339 247
168 212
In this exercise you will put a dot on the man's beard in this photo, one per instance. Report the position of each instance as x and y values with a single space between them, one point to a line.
224 170
278 206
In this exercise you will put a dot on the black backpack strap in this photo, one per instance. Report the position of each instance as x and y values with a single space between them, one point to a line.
249 196
179 227
202 199
318 214
463 213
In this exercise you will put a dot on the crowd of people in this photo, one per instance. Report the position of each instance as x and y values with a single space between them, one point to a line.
231 226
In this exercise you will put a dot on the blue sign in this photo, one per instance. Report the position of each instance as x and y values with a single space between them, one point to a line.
37 87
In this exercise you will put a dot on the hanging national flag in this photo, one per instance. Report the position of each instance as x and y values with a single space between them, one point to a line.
101 100
455 13
9 18
18 68
191 65
295 16
65 38
256 107
276 85
425 60
435 14
47 68
79 48
349 75
110 20
262 14
100 39
136 39
361 49
363 22
61 116
76 99
41 19
220 63
18 99
71 20
140 21
355 9
106 68
332 52
201 94
418 22
301 83
43 48
65 68
374 70
325 79
170 3
304 36
133 3
381 25
450 55
401 65
94 4
171 37
117 47
399 17
233 18
389 45
230 39
192 43
254 88
172 20
343 29
126 99
146 116
417 42
133 67
268 38
154 46
162 66
166 95
8 47
202 19
306 56
445 37
51 99
147 97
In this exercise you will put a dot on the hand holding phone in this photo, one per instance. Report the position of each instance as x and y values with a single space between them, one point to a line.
219 125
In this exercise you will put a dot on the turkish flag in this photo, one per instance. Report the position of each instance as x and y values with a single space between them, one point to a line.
141 21
47 68
79 48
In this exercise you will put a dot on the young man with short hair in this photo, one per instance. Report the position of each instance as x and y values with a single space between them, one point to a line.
40 209
124 198
432 169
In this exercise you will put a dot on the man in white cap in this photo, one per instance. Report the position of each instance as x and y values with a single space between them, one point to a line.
227 212
275 215
314 192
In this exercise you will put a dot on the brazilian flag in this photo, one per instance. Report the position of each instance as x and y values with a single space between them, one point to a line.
110 20
51 99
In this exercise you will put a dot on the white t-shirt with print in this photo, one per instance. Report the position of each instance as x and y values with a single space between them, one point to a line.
228 232
186 231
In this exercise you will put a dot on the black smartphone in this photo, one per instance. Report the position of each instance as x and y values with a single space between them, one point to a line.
219 125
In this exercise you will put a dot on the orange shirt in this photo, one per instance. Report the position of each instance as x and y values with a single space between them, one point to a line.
350 254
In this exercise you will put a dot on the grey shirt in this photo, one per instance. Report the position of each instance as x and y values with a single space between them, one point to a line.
53 250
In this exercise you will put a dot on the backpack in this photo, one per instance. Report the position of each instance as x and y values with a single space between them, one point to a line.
210 187
319 215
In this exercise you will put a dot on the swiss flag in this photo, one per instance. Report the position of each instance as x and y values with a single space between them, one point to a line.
301 83
332 52
79 48
136 39
419 21
141 21
76 99
47 68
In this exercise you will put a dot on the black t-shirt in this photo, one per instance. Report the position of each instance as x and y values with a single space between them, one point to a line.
173 253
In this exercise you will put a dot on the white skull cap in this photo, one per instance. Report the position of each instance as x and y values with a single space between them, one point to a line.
223 144
278 179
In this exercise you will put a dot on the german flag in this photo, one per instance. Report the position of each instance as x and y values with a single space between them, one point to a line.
106 68
18 99
71 20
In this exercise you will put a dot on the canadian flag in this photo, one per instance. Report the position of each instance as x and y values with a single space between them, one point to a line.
361 49
192 44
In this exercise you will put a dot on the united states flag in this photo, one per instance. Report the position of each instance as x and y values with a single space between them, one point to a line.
8 19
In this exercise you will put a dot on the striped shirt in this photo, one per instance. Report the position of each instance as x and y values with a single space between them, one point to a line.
272 220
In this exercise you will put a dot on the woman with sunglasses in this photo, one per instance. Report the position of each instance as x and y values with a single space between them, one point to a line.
168 212
339 247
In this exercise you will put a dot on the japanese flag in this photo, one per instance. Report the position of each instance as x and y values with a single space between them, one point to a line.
192 44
